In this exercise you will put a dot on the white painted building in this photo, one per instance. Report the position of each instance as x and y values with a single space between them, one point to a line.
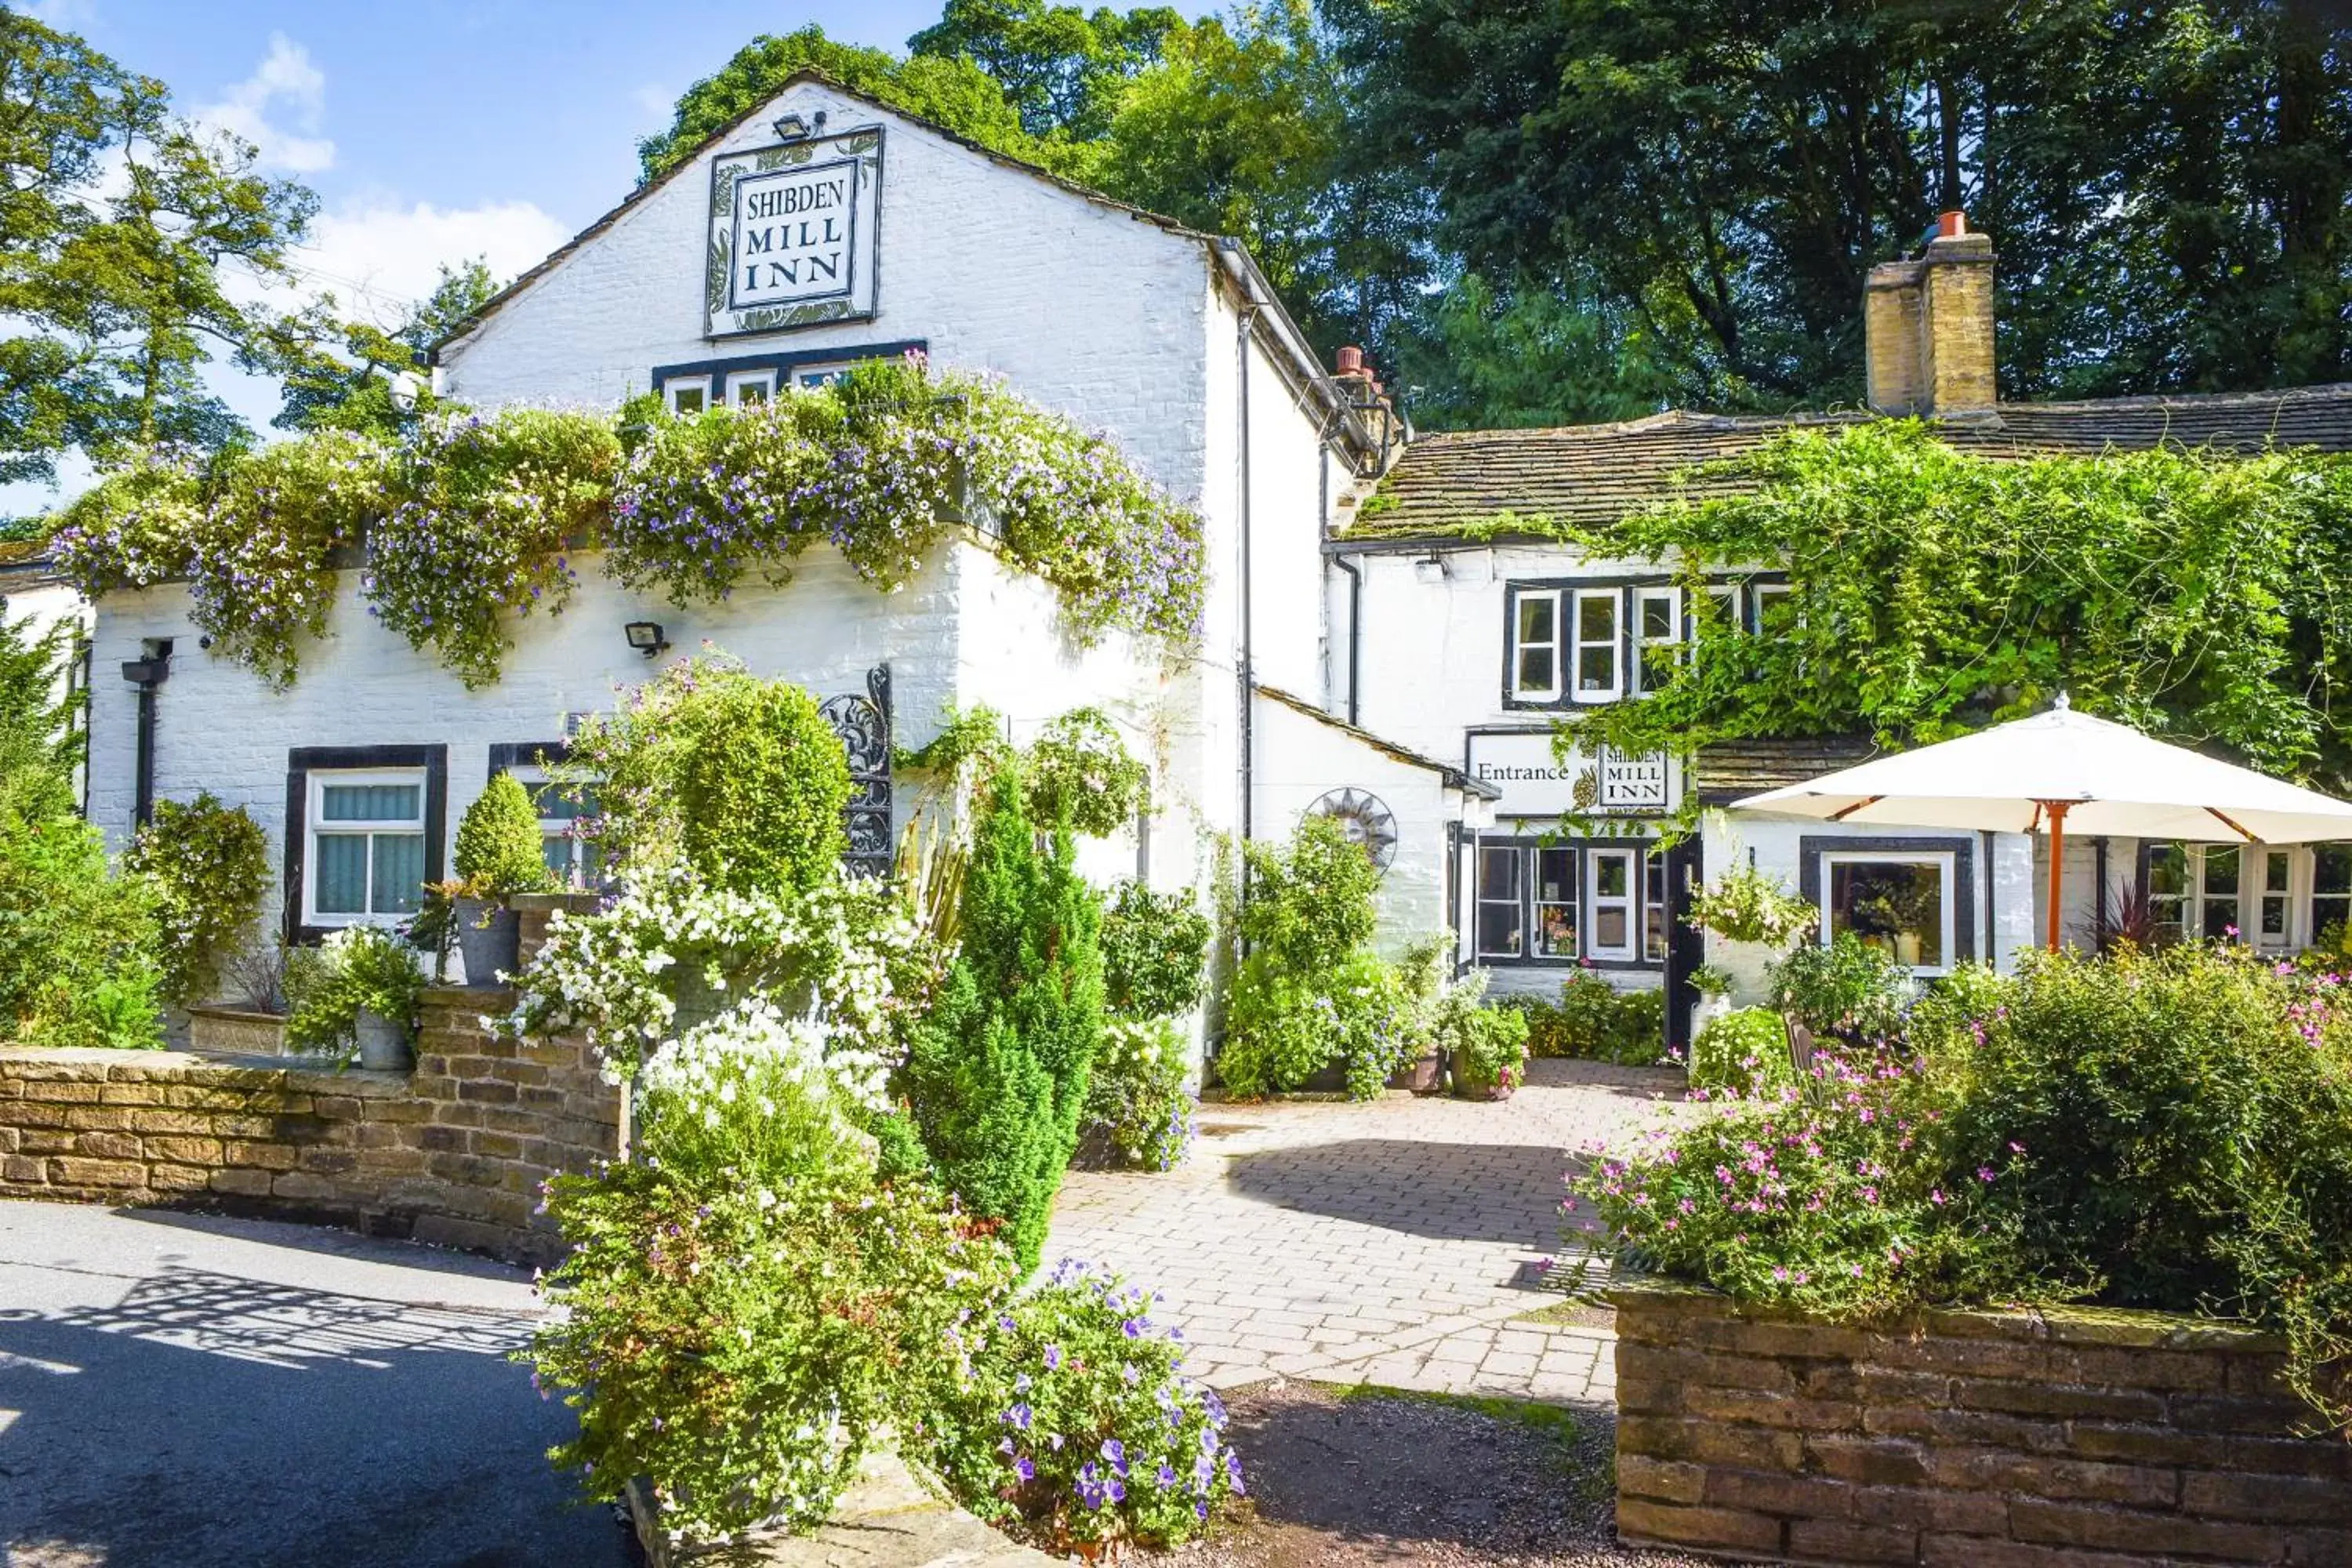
1397 661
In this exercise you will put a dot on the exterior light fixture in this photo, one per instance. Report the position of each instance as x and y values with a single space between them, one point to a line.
647 637
1430 569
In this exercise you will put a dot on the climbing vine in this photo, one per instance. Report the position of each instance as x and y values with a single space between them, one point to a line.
2203 597
473 522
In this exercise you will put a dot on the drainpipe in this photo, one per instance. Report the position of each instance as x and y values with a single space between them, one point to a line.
1248 673
148 672
1355 626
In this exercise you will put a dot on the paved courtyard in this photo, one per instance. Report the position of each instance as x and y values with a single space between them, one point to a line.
1398 1242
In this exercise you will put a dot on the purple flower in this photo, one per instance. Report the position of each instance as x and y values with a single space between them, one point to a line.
1053 1358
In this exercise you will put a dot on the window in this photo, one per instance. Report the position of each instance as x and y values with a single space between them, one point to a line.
1657 637
1609 888
747 387
1598 678
690 396
2274 921
1499 929
1774 607
812 376
1556 903
2217 890
1727 605
1900 904
367 847
2168 895
2331 886
1535 647
569 851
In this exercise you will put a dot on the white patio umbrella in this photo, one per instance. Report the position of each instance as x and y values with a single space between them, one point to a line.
2063 770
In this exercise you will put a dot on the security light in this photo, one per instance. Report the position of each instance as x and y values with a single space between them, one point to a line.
647 637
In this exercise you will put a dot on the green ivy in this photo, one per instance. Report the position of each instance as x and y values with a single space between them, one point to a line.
2196 595
209 864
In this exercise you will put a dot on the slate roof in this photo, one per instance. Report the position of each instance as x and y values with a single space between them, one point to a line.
1733 770
1594 474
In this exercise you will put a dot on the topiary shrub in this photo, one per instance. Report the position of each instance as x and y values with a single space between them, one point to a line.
998 1074
740 779
209 864
499 853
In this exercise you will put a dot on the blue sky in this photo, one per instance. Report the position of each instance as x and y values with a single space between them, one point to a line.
438 130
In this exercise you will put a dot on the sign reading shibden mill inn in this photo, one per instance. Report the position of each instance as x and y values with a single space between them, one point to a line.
1536 781
792 228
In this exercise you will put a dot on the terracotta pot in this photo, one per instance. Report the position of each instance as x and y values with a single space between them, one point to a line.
489 939
1422 1074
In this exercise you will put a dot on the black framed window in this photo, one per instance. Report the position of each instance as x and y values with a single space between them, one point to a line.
1568 902
366 827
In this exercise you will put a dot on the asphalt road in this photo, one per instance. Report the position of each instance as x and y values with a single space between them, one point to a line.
184 1392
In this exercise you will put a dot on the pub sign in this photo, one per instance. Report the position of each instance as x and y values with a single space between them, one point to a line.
793 231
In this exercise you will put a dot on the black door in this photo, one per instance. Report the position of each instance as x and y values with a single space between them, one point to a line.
1686 946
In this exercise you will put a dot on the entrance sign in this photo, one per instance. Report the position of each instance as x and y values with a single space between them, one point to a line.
1536 781
793 231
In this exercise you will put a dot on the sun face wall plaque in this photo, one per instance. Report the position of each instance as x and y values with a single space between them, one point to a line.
793 233
1366 819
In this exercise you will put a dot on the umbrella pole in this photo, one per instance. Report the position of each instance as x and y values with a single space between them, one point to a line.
2056 811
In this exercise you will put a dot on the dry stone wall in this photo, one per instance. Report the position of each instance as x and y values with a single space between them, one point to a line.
452 1154
2055 1439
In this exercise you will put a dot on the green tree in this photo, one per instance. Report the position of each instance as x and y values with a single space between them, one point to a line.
998 1073
954 93
341 375
1061 67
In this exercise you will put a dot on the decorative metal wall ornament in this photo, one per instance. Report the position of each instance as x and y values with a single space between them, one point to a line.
863 722
1367 819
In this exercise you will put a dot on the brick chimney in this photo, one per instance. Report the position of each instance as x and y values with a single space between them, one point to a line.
1928 326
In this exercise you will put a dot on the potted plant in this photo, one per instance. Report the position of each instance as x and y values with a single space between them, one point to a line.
1486 1047
356 992
499 856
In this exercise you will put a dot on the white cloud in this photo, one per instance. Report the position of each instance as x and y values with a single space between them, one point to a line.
378 258
65 16
284 80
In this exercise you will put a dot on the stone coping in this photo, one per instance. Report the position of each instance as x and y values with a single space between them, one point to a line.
887 1519
240 1015
97 1064
2056 1322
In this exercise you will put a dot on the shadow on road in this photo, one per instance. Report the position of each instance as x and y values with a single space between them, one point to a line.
1507 1193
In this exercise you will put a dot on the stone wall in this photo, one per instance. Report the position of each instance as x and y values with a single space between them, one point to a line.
2066 1439
453 1153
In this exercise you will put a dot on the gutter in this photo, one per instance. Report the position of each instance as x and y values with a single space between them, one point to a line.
147 672
1248 672
1285 335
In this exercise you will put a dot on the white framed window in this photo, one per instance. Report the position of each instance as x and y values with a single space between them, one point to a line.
1501 932
1610 888
1535 644
1555 903
2171 889
814 376
1658 643
2248 893
1902 902
1773 606
563 815
1727 597
746 388
1597 646
2272 927
365 861
1654 931
688 394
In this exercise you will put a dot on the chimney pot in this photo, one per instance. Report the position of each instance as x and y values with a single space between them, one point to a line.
1352 361
1951 225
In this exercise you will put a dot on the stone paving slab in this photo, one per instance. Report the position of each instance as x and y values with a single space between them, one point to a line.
1397 1241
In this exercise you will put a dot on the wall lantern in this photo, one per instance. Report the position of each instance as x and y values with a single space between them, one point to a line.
647 637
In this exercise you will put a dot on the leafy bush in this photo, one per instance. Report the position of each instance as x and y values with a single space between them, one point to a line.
674 951
1746 905
208 864
1071 1422
77 943
1594 1021
1486 1047
1153 946
499 853
1138 1113
998 1073
741 1344
739 778
2170 1130
357 969
1848 989
1742 1053
1310 905
1080 771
